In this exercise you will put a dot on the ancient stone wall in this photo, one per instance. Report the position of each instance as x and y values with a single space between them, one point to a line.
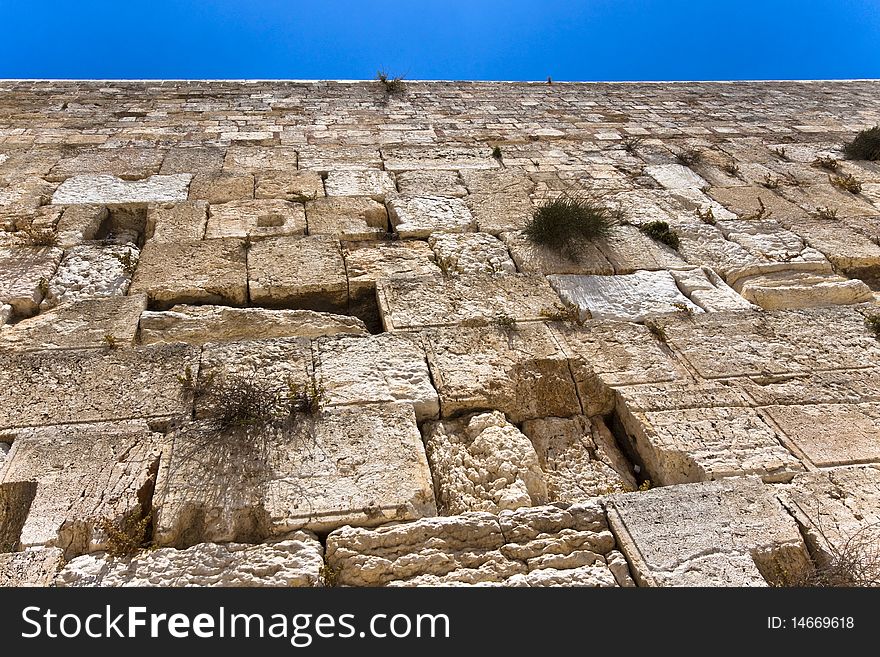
293 334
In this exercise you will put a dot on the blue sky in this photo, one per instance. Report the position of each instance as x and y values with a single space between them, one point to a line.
449 39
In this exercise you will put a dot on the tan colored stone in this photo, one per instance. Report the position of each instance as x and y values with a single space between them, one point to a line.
211 271
706 289
176 222
259 218
471 253
24 276
327 158
303 272
371 183
744 202
847 249
814 197
499 199
419 216
431 183
801 289
193 160
406 158
91 270
80 223
221 187
368 262
109 190
675 176
532 258
33 567
251 159
629 249
85 474
297 186
347 217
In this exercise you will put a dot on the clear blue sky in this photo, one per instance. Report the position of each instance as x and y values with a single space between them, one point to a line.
448 39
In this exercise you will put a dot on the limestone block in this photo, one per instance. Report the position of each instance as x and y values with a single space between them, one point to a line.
537 259
473 300
31 163
24 274
259 218
304 272
829 387
345 466
846 248
210 271
193 160
348 217
373 183
801 289
109 190
419 216
126 163
471 253
746 202
251 159
629 249
605 355
579 458
723 533
221 187
84 323
430 183
704 245
368 262
339 158
825 195
499 199
376 368
84 474
80 223
176 222
25 197
675 176
483 463
104 384
406 158
835 507
768 239
630 297
522 373
201 324
548 545
676 395
853 439
296 561
706 289
696 202
33 567
289 185
91 271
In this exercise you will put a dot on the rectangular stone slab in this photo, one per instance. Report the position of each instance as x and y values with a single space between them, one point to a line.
97 385
221 187
406 158
305 272
259 218
177 222
533 258
731 532
629 249
85 474
92 270
419 216
21 271
353 465
523 373
371 183
376 368
471 253
347 217
289 185
368 262
109 190
211 271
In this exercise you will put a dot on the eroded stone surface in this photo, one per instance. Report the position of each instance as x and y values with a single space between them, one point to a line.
431 183
259 218
371 183
109 190
471 253
91 271
33 567
532 258
347 217
366 263
297 186
24 276
176 222
419 216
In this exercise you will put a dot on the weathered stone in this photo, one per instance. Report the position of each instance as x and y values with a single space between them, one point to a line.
33 567
471 253
289 185
211 271
412 303
126 163
675 176
295 561
406 158
192 160
523 373
84 323
529 547
86 474
260 218
801 289
250 159
98 385
176 222
630 297
368 262
706 289
91 271
499 200
304 272
537 259
816 197
379 368
348 217
24 197
24 276
108 190
201 324
483 463
579 458
373 183
431 183
829 387
746 203
768 239
339 158
847 249
628 249
724 533
80 223
221 187
347 465
419 216
5 313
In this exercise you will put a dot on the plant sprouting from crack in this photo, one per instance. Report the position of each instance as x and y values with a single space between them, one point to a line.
660 231
567 223
846 183
865 145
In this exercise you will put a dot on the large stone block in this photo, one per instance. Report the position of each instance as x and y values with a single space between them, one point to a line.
92 270
523 373
431 183
538 259
499 200
373 183
221 187
295 561
539 546
289 185
347 217
675 176
193 160
802 289
211 271
251 159
109 190
33 567
407 158
419 216
347 465
24 276
260 218
176 222
368 262
725 533
97 385
471 253
127 163
304 272
379 368
628 249
80 223
85 474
